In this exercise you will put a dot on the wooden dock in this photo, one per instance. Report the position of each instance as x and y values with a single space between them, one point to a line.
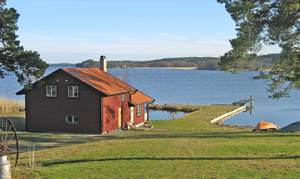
230 114
243 102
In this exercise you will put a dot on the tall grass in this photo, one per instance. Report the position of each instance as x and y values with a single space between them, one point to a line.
11 106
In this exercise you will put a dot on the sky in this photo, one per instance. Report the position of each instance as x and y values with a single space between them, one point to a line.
75 30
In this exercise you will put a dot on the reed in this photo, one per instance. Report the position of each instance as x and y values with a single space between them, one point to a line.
8 106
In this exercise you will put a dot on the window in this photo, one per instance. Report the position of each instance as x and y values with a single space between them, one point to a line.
139 110
123 97
73 91
51 91
72 119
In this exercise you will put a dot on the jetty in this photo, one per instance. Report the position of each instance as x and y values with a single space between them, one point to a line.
243 104
223 117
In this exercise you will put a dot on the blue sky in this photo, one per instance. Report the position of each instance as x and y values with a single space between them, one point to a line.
76 30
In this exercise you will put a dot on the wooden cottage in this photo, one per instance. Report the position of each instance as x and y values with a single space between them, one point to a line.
83 100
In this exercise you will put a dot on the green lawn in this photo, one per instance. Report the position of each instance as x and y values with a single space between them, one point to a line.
189 147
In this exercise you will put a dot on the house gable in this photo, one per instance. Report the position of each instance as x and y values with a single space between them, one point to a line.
49 114
49 80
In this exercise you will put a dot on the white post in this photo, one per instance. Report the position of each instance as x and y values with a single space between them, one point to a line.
146 116
5 172
31 151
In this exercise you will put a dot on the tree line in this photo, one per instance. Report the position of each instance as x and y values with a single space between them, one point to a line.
262 63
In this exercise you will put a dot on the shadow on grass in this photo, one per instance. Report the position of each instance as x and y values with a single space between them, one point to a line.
50 140
170 158
19 123
200 135
46 142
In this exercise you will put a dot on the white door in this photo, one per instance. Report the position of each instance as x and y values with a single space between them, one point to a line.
119 117
132 114
146 117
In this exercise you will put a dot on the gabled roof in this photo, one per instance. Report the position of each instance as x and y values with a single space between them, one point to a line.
100 80
140 98
97 79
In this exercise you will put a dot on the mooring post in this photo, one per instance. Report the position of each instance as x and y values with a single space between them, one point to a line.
251 105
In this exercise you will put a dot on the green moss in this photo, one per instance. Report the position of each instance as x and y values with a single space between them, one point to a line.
175 107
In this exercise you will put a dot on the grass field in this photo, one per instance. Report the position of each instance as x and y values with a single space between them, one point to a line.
189 147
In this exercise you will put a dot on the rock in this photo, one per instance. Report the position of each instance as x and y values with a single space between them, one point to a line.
294 127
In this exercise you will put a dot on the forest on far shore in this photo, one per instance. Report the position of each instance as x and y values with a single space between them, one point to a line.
202 63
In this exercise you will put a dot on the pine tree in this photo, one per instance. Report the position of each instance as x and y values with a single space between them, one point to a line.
267 22
26 65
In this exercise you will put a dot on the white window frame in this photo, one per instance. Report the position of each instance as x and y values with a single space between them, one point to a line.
51 91
123 97
74 119
72 91
139 110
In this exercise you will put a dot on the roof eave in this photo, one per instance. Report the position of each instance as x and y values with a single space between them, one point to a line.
21 92
148 101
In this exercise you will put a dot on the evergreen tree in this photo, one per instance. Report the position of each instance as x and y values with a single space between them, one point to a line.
267 22
26 65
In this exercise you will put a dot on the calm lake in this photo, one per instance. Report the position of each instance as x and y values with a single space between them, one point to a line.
198 87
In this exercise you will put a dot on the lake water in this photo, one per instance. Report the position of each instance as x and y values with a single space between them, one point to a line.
165 115
199 87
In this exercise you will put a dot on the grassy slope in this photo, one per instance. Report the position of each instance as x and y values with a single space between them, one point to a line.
190 147
14 115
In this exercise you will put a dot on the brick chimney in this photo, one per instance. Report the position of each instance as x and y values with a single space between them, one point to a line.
103 63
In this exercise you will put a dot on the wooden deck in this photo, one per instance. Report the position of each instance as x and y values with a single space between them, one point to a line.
228 115
243 102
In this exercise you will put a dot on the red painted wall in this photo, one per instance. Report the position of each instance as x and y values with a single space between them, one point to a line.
141 118
110 106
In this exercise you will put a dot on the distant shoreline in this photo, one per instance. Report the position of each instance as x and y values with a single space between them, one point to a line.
177 68
166 68
181 63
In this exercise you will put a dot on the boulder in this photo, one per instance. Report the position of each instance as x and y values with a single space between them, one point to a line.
294 127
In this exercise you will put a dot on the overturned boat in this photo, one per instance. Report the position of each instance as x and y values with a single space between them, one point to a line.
265 126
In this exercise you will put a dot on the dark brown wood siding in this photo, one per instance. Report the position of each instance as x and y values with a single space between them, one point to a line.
48 114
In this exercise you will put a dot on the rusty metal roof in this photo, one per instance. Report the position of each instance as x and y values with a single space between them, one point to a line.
100 80
140 98
103 82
